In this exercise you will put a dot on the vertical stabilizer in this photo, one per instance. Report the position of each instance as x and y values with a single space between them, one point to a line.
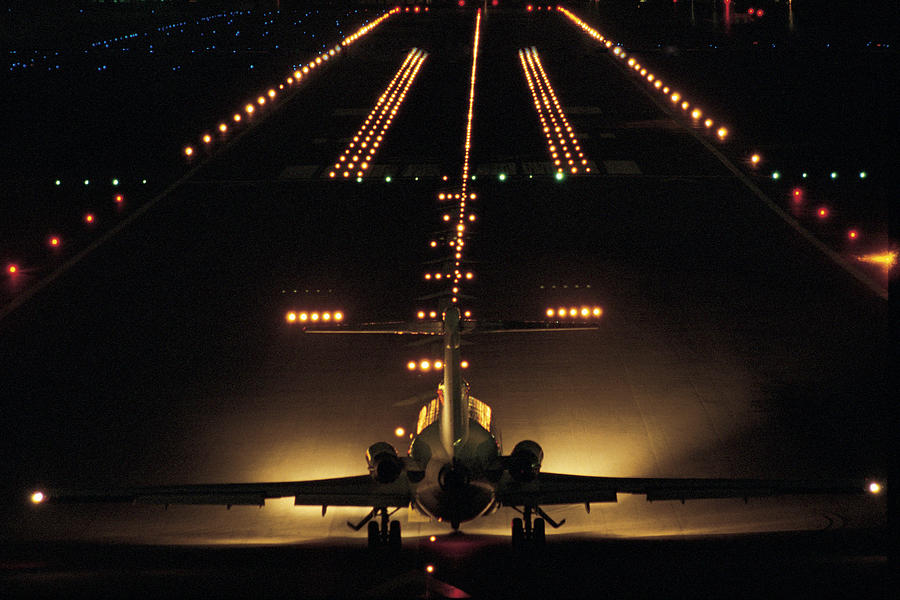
455 411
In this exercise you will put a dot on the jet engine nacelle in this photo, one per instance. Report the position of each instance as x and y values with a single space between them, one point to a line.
384 464
525 461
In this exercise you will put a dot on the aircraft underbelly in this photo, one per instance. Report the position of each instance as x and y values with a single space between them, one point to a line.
456 505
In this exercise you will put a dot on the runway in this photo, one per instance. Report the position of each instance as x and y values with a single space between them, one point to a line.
728 347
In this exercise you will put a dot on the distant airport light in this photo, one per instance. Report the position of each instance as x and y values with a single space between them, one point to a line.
411 365
119 198
338 316
430 568
822 212
853 234
863 175
12 269
434 538
797 194
38 497
874 488
188 151
249 109
776 175
833 175
291 317
438 364
58 182
54 241
87 182
207 138
89 218
722 133
502 176
115 182
314 316
754 160
424 365
237 118
399 432
550 312
464 364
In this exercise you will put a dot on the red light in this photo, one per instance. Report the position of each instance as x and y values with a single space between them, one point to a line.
853 234
53 241
495 2
120 198
461 2
750 10
529 8
798 194
760 13
822 212
89 218
12 269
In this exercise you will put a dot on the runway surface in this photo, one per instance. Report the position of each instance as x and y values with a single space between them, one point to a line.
729 347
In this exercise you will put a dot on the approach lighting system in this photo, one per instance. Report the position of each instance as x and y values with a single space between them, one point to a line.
356 159
306 317
562 144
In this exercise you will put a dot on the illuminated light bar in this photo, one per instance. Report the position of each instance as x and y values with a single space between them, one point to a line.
561 141
885 259
575 312
305 316
356 159
643 71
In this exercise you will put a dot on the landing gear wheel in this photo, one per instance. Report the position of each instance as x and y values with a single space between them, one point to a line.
394 536
518 533
538 534
374 534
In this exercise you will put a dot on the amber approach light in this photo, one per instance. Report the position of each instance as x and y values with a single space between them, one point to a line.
357 157
562 144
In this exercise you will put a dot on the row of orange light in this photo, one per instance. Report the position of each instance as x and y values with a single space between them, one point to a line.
314 316
650 78
886 259
55 242
434 315
547 105
370 135
426 365
455 276
584 312
457 243
253 106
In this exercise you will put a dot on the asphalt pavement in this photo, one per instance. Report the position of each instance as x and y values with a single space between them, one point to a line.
728 347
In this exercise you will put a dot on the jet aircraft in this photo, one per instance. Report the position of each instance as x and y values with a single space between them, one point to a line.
455 470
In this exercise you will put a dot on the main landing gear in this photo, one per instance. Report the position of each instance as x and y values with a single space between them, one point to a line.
385 534
525 531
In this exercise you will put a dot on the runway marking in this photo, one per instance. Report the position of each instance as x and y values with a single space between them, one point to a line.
583 110
357 156
299 172
506 168
350 112
561 140
621 167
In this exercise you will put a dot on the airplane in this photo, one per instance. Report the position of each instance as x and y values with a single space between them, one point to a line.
454 470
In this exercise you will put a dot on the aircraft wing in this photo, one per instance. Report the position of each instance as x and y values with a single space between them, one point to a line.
554 488
360 490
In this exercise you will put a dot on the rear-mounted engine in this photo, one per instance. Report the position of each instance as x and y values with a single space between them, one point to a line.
384 464
524 463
